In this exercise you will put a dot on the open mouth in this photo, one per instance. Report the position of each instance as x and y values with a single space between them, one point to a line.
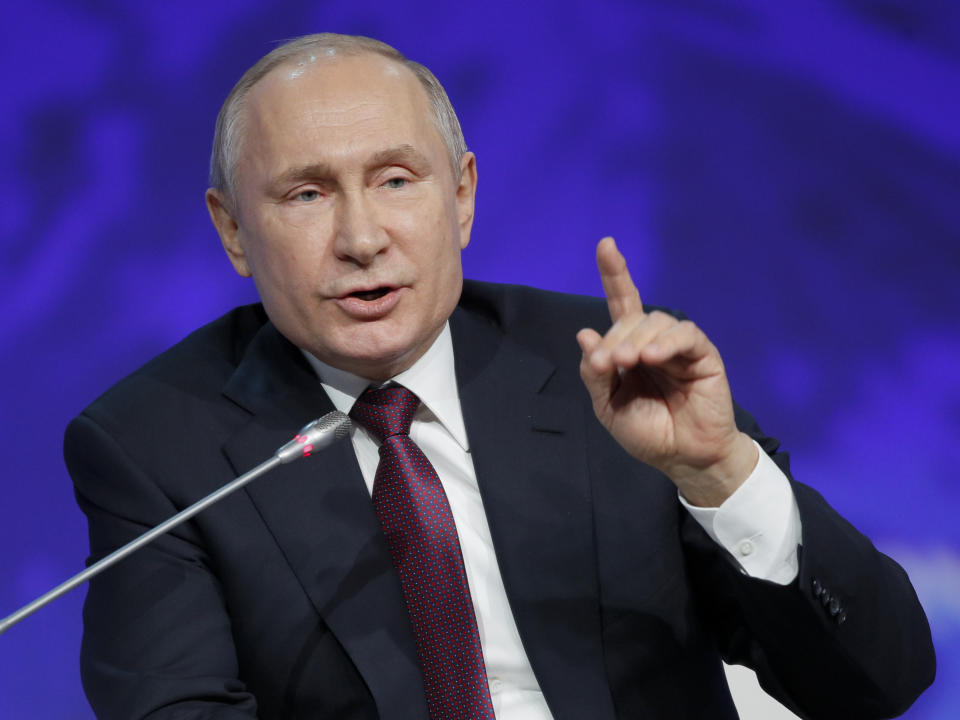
374 294
373 304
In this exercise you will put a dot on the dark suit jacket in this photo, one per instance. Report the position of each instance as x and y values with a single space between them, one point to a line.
281 601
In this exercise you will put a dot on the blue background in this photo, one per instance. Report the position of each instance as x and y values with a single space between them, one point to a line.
787 173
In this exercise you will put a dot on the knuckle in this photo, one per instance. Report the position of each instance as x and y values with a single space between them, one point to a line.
663 319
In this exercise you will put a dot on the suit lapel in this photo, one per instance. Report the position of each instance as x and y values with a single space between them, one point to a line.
528 449
320 514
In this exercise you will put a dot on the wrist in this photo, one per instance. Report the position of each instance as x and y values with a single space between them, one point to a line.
712 484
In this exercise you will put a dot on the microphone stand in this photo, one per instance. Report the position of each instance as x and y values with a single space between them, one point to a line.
312 437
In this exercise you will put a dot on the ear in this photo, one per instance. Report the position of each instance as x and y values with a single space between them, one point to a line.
466 195
228 229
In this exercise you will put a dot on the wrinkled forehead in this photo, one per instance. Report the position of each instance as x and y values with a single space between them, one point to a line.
331 85
334 104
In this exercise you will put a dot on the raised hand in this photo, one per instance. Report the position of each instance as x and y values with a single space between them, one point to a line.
659 387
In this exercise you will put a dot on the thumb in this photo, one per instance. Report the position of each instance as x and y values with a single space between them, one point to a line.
600 385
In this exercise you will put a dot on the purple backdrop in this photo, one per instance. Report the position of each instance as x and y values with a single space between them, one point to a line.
787 173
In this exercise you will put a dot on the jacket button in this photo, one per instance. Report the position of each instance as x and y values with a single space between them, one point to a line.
842 617
825 597
834 606
817 587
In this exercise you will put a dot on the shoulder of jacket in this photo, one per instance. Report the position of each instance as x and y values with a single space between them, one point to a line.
200 363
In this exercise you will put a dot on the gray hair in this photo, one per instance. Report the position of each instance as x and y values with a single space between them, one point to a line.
230 121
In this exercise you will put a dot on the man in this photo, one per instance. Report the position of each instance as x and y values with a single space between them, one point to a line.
605 567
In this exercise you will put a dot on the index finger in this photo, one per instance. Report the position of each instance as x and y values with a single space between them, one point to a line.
623 297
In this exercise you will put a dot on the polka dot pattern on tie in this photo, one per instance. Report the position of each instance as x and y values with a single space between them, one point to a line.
416 520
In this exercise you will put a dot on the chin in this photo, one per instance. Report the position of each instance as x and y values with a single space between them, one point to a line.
378 357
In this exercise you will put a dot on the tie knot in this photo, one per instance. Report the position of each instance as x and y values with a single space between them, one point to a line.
386 411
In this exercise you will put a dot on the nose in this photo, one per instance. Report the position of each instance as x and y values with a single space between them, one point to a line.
359 235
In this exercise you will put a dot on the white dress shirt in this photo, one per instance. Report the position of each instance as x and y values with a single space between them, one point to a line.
759 525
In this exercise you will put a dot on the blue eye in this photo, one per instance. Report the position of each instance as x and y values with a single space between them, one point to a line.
308 195
396 183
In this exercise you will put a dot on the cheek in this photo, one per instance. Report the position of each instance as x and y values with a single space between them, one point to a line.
289 248
413 220
443 259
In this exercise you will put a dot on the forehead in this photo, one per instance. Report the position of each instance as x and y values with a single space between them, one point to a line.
333 108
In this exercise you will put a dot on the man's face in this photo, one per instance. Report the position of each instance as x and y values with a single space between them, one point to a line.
347 214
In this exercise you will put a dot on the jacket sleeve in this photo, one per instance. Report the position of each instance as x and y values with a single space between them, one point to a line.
157 640
847 639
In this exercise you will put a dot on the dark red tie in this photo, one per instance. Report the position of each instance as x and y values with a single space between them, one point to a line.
422 537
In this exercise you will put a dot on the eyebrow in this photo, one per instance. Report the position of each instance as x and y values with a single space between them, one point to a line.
400 155
311 171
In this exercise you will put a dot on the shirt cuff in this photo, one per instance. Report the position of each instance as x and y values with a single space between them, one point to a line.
759 525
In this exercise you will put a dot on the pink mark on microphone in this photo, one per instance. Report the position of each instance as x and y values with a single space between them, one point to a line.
307 449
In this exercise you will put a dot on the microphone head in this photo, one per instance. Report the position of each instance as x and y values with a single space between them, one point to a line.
334 422
315 436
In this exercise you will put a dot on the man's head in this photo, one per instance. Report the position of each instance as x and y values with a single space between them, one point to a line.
341 184
227 139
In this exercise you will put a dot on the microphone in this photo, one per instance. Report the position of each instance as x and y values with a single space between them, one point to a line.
312 437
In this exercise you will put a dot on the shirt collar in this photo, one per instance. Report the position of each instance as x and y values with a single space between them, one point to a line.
432 378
